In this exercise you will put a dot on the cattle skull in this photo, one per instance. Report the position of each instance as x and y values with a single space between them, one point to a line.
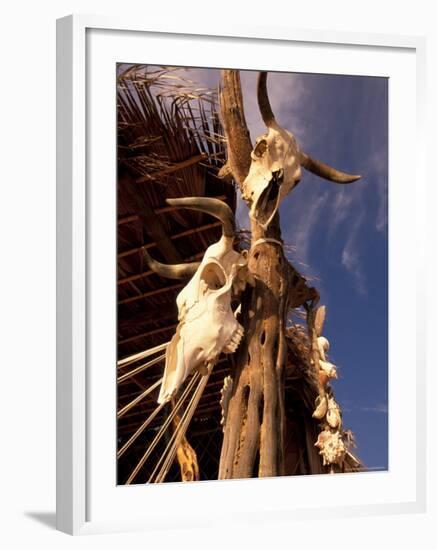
276 162
207 325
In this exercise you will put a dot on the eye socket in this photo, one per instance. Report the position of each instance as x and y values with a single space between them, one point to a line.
260 148
213 276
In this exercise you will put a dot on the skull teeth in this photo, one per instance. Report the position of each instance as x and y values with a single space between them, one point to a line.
234 340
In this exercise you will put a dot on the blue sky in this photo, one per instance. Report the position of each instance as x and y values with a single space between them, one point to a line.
339 232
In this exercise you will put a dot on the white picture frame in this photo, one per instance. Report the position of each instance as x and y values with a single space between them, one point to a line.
75 314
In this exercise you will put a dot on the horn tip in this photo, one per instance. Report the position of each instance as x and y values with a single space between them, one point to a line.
173 202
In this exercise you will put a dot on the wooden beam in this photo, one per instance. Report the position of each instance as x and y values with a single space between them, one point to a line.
131 283
128 219
151 314
173 168
148 333
131 278
194 230
186 233
150 293
150 221
124 280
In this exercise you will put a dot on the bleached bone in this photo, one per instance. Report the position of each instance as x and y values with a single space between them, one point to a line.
276 162
319 320
274 172
207 325
323 347
333 416
226 393
321 407
328 368
332 447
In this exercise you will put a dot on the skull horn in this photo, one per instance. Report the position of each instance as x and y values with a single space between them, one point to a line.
171 271
312 165
325 171
214 207
263 100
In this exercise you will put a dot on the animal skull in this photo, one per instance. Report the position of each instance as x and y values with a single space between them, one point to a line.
276 162
207 325
274 172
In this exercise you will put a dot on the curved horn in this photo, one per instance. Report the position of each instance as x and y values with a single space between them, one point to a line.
312 165
215 207
171 271
263 100
325 171
234 123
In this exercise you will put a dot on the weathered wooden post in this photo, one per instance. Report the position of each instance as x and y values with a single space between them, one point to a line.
255 419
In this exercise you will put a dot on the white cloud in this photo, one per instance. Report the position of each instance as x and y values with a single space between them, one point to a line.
381 408
379 164
350 258
377 179
340 209
307 223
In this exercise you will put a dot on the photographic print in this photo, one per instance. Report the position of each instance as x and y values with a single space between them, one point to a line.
252 256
